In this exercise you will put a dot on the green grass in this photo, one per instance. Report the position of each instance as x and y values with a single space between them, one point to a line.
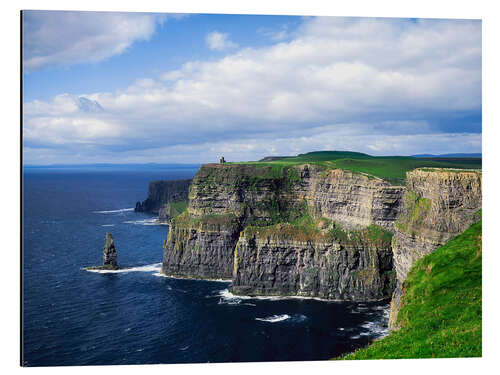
441 305
178 207
391 168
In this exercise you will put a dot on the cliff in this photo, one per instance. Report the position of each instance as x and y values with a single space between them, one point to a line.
437 205
161 195
311 231
201 247
230 205
288 260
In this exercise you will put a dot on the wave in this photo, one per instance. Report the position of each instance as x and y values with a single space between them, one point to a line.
227 296
274 318
156 267
154 221
193 278
377 328
114 211
107 225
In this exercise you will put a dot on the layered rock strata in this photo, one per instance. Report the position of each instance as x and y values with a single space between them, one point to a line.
201 247
281 263
437 205
260 194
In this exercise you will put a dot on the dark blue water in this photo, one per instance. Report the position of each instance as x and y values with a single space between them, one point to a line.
75 317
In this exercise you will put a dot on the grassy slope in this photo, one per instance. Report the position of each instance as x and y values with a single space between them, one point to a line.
391 168
441 305
178 207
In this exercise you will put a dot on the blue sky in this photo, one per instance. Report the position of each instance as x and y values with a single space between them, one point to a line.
175 41
137 87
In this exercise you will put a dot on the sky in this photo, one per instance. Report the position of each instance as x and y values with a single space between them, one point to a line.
186 88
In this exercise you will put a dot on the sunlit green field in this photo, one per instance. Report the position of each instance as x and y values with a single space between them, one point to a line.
390 168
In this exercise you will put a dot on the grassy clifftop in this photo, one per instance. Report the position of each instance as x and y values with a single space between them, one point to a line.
441 305
390 168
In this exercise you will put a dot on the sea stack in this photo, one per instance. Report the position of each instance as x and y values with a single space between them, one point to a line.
109 254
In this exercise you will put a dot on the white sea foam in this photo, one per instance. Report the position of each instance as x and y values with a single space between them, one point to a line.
108 225
114 211
156 267
274 318
227 295
192 278
377 328
153 221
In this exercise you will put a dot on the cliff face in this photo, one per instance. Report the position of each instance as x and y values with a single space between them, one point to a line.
161 194
285 261
267 194
353 200
201 247
216 236
437 205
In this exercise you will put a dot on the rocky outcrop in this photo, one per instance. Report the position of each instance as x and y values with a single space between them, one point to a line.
161 194
109 255
437 205
225 199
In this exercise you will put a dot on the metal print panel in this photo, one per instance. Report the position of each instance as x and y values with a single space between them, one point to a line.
248 188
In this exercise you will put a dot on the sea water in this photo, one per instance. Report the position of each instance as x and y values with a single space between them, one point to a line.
136 315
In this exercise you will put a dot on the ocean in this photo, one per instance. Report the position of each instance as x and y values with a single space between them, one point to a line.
136 315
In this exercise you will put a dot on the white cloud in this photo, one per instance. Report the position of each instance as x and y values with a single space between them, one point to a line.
64 38
219 41
275 35
362 84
